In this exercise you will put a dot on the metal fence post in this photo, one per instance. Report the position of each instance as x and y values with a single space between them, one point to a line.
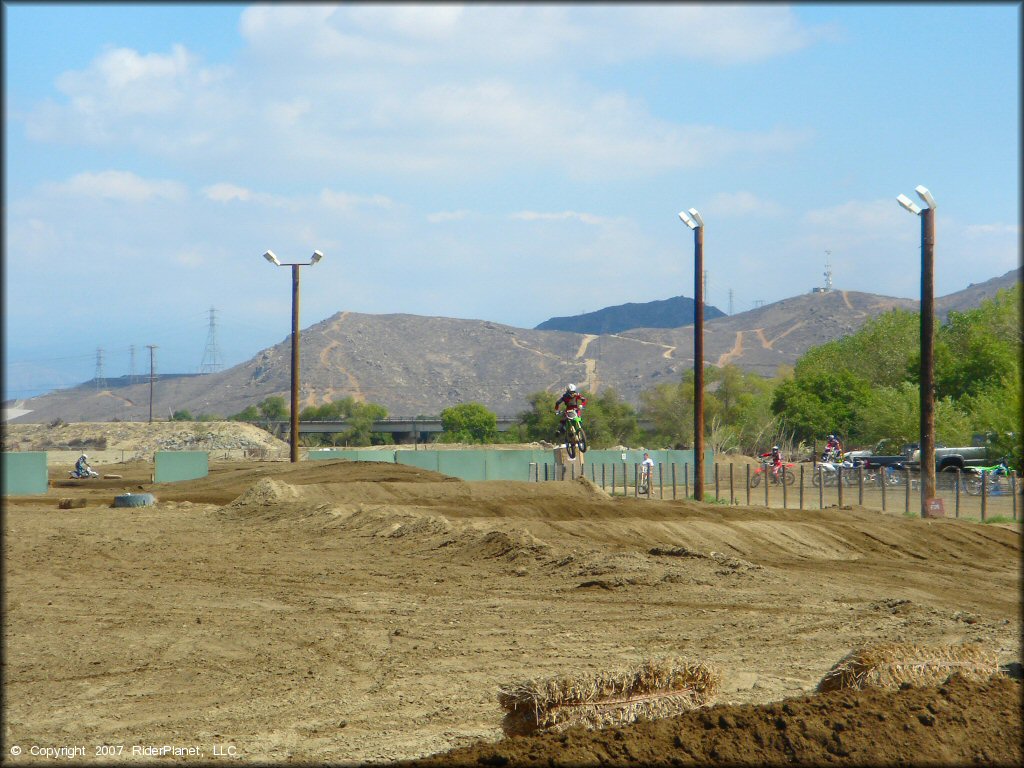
625 480
984 493
907 508
748 483
732 494
956 493
636 485
717 495
686 480
766 480
860 485
673 480
821 487
783 486
801 486
839 483
661 482
613 479
883 476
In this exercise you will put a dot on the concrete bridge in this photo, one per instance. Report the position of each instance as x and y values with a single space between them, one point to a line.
405 429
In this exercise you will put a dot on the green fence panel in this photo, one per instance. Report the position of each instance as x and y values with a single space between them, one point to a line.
351 454
24 473
466 465
174 466
512 465
422 459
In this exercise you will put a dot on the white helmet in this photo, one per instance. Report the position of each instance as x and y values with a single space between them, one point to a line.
84 456
775 447
571 388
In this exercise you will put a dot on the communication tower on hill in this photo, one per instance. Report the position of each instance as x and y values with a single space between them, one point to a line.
828 272
98 378
211 356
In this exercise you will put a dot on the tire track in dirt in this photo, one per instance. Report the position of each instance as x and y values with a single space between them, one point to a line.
517 343
846 299
669 349
760 335
733 353
355 391
786 333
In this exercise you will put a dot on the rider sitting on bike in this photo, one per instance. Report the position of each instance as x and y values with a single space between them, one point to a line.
82 466
833 449
646 467
775 458
571 399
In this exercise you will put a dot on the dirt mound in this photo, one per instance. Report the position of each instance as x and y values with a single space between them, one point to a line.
362 613
957 723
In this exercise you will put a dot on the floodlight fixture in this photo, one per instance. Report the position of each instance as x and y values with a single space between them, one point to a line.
685 218
696 217
317 255
272 258
909 204
925 195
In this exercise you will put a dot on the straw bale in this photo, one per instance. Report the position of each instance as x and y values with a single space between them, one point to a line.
888 665
649 690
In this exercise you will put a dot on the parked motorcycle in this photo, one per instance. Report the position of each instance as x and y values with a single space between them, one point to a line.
828 472
996 478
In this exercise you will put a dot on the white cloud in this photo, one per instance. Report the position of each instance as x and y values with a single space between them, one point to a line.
444 216
346 202
528 35
119 186
742 204
586 218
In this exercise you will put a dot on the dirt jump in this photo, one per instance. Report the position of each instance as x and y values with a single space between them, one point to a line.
337 612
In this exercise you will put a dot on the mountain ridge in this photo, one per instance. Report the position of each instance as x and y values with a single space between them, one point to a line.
415 365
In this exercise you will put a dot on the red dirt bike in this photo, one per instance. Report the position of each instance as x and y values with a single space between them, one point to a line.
774 476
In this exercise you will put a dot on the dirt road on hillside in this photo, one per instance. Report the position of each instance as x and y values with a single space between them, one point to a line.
336 612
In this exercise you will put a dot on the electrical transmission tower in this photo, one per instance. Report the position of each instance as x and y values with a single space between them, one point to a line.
211 356
131 367
98 378
730 301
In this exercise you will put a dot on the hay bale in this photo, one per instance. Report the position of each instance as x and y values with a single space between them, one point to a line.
888 665
649 690
68 503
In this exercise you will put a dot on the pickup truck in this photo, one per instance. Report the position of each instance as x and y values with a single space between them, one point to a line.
951 459
878 456
946 459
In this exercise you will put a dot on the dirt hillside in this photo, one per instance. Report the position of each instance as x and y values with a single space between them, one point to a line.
337 612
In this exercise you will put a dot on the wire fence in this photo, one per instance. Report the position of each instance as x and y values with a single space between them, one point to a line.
981 496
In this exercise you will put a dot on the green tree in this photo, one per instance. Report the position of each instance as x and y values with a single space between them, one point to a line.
249 413
608 420
539 420
816 404
273 408
468 423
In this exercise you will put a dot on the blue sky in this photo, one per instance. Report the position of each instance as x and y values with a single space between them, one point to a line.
491 161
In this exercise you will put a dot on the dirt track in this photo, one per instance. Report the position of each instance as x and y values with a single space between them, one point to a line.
361 612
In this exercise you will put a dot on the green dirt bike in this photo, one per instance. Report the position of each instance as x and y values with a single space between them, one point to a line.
996 479
575 437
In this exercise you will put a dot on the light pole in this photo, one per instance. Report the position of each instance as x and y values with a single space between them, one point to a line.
693 220
927 376
293 432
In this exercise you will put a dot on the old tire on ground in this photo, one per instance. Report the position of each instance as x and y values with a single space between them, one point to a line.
134 500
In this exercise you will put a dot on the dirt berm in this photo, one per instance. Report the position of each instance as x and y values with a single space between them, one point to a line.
353 613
